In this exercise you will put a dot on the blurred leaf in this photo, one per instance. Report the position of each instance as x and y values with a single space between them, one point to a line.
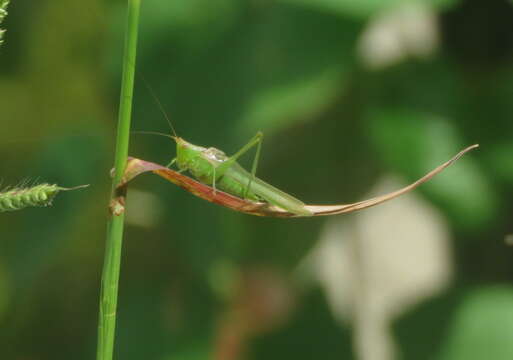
364 8
276 107
301 71
312 333
195 23
422 330
482 326
411 141
500 160
194 352
5 291
407 32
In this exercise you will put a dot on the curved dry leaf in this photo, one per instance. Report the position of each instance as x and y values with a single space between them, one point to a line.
137 166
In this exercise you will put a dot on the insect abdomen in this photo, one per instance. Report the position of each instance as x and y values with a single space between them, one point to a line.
234 187
262 190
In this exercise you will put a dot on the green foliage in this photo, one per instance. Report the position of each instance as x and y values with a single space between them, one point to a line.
482 326
365 8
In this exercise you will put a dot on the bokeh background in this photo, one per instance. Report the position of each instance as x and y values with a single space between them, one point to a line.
355 97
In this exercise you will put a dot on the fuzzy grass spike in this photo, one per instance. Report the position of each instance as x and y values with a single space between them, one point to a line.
34 196
3 14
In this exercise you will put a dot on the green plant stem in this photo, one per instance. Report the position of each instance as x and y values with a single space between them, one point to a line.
112 262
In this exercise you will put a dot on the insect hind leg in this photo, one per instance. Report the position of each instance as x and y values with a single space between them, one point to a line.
255 164
256 140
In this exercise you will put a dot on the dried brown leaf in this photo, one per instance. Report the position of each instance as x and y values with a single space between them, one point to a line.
136 167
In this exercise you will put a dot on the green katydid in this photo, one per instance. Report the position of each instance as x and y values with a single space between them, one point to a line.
214 168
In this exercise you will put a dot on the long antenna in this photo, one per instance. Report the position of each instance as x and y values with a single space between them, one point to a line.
153 133
156 99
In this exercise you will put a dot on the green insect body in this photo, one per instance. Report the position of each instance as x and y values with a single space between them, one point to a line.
213 167
19 198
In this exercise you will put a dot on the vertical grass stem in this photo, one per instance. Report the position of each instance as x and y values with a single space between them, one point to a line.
112 261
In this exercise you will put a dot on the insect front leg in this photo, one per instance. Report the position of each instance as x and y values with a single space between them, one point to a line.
171 163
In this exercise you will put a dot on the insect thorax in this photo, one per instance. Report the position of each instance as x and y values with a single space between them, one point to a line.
215 156
201 163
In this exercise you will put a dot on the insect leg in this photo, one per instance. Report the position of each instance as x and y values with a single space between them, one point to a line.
171 163
214 180
221 169
255 165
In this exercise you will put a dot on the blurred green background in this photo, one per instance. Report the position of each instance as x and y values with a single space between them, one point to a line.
355 97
